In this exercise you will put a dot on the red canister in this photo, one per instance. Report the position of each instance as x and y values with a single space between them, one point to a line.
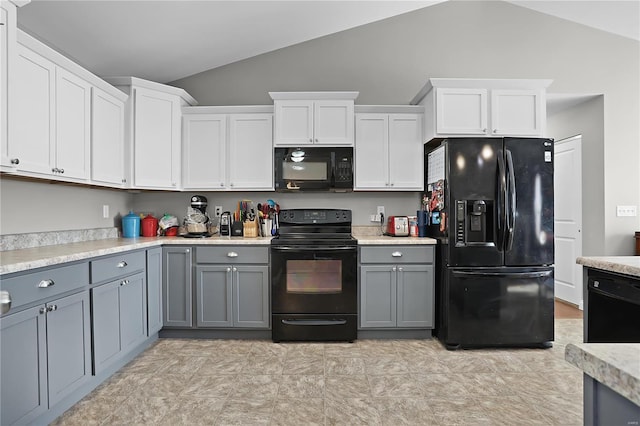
149 226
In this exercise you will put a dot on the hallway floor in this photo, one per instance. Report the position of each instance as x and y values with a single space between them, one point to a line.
369 382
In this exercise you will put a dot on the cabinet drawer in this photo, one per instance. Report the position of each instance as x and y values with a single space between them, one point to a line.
119 265
396 254
232 254
44 284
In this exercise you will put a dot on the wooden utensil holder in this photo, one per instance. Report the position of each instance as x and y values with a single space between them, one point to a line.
251 228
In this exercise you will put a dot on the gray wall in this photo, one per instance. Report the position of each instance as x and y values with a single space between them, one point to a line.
362 204
38 206
586 119
389 61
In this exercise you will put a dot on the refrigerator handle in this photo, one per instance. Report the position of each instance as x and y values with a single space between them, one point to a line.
511 203
501 189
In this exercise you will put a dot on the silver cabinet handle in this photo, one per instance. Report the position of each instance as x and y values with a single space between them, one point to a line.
231 185
54 170
228 269
484 130
396 254
393 269
124 282
311 140
235 269
43 310
45 283
221 183
121 264
61 170
232 254
187 251
495 130
316 140
51 308
15 161
400 269
5 301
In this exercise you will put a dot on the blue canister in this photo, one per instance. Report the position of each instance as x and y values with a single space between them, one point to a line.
131 225
423 222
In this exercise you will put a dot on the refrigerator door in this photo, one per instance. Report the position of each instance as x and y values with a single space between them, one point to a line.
472 201
499 307
529 206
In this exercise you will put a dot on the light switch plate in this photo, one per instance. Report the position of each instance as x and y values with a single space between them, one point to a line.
105 211
629 211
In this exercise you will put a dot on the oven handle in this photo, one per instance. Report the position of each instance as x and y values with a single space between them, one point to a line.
314 248
305 322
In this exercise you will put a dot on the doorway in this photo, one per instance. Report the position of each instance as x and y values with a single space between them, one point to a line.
568 219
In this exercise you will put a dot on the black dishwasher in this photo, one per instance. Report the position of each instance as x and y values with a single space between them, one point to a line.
612 308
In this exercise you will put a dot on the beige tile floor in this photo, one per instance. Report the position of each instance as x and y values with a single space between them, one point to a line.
369 382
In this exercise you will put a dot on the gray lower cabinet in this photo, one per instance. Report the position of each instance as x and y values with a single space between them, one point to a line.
45 355
177 287
154 290
232 296
119 319
232 287
396 295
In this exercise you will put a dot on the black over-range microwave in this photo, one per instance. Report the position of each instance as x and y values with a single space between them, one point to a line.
313 169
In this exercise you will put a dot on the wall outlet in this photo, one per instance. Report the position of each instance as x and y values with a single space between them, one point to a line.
380 211
218 211
626 211
105 211
375 218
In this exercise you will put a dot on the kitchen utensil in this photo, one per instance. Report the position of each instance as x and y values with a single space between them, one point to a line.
131 225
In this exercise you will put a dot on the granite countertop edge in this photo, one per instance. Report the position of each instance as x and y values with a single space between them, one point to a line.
617 365
13 261
627 265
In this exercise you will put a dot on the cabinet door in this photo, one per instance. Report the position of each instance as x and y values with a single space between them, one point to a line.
378 296
415 296
105 308
333 122
32 118
107 138
73 125
251 151
5 10
204 153
133 311
68 345
214 295
517 112
154 290
23 366
293 122
251 296
156 140
461 111
406 155
176 287
371 151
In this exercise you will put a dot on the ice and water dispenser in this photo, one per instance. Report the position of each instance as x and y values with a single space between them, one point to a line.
474 222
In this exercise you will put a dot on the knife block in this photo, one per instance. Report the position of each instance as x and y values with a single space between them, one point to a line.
251 228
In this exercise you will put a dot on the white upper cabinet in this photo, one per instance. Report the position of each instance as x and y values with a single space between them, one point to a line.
309 118
228 148
388 149
204 151
7 61
251 151
154 132
73 125
483 107
107 138
49 119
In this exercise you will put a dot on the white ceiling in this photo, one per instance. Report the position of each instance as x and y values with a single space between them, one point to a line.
171 39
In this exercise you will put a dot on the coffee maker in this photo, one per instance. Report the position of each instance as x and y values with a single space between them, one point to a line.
197 219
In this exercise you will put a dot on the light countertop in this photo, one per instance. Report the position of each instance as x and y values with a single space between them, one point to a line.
628 265
616 365
21 260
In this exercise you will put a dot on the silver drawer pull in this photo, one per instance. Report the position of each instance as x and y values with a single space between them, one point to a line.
396 254
121 264
232 254
5 301
51 308
124 282
45 283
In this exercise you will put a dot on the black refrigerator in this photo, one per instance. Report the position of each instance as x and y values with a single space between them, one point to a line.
490 203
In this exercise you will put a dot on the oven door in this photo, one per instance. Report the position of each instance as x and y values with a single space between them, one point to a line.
314 279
